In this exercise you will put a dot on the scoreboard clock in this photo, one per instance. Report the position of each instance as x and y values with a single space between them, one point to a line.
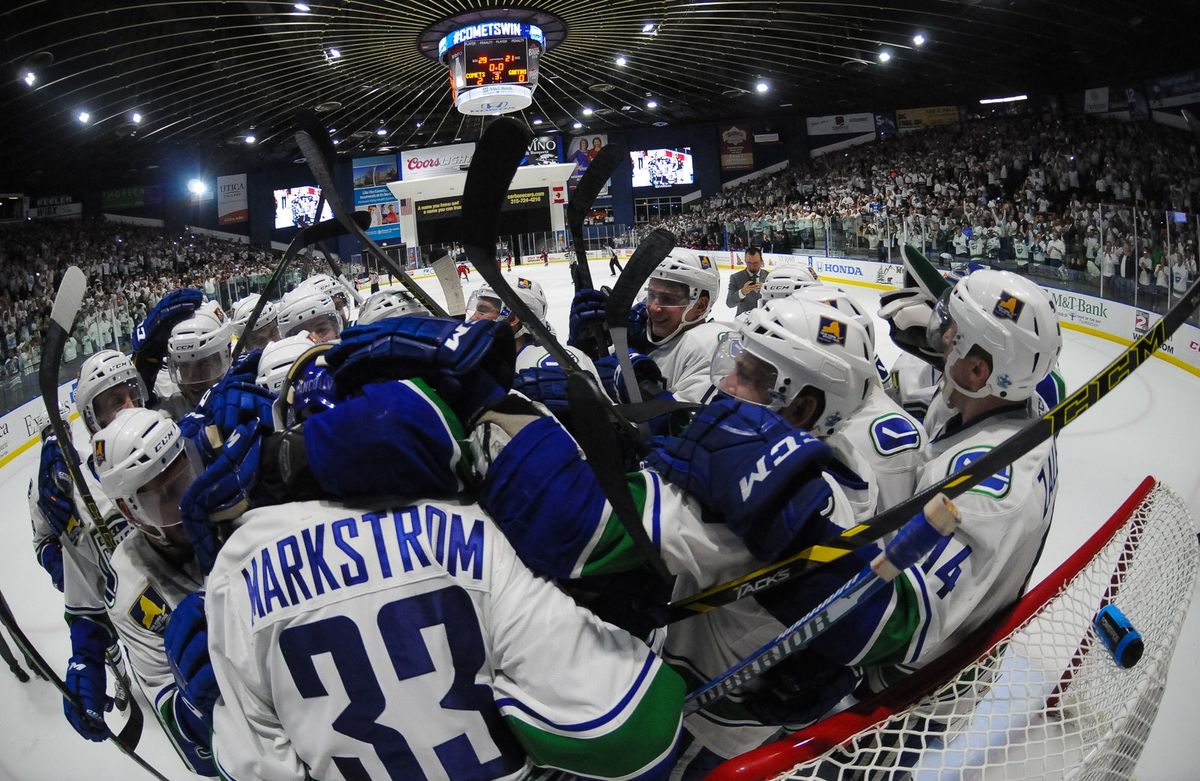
493 66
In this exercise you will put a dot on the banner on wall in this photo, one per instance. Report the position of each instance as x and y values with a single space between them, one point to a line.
737 146
436 161
437 208
908 119
581 151
131 197
53 206
1177 90
1095 100
543 150
232 203
371 195
838 131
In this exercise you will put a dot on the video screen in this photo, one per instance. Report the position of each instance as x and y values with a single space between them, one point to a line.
296 207
662 167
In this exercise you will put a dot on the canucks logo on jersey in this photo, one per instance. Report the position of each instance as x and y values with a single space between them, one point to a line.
996 486
150 611
893 433
1008 307
830 331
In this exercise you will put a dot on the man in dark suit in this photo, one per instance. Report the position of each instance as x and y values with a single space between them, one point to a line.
744 285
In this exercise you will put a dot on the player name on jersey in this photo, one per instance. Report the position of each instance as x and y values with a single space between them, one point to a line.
381 545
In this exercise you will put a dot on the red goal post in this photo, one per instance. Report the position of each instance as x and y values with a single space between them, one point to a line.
1030 694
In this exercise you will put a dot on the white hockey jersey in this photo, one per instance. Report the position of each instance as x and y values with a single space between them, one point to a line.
411 642
685 360
890 441
148 588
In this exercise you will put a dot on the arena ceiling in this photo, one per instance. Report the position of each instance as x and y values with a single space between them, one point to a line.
202 76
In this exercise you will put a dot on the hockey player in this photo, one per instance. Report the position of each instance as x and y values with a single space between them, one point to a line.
400 594
143 469
277 358
266 328
674 326
389 303
485 304
150 343
307 309
323 283
199 351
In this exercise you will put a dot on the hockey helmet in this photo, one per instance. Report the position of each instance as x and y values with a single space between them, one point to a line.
107 383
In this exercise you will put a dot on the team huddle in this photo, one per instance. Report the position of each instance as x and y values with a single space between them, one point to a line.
374 548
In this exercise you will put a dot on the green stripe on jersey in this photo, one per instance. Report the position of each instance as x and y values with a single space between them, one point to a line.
891 647
635 745
615 551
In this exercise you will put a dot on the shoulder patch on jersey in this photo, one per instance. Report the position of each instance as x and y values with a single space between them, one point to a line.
996 486
893 433
150 611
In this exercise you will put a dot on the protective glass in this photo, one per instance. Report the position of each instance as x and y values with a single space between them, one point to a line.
200 374
322 328
481 307
667 296
261 337
735 372
940 330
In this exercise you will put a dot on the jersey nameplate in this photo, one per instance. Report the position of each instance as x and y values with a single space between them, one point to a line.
996 486
893 433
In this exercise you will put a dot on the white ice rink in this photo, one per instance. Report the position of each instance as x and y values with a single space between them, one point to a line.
1147 426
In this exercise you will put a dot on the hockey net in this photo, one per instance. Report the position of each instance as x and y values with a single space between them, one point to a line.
1036 694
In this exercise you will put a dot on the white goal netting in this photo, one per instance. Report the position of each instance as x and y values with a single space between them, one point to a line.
1040 696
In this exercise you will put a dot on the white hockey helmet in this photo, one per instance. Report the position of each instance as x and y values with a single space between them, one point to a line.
198 350
697 273
328 285
277 357
143 468
266 328
309 310
389 303
793 344
785 280
840 300
535 355
494 308
107 383
1007 316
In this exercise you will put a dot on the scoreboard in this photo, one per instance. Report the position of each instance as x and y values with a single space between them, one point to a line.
493 66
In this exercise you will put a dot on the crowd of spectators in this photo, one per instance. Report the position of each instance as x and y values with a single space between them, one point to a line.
129 268
1089 197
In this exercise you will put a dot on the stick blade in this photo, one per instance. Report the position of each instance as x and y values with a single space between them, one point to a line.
495 162
644 260
69 298
924 272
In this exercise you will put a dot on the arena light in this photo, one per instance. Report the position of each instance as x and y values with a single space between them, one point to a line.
537 121
301 7
250 139
577 124
30 78
83 117
381 131
649 28
918 40
197 187
587 111
621 61
135 118
334 54
885 56
761 87
651 104
1009 99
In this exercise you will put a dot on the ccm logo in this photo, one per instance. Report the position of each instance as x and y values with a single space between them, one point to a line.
1194 345
778 454
763 582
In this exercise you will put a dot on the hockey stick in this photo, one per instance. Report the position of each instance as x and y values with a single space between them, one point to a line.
67 303
305 238
447 276
1033 434
317 149
598 172
127 739
938 519
492 168
645 259
339 274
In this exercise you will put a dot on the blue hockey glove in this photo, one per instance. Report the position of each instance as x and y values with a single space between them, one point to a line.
750 469
186 642
649 377
150 337
588 308
548 385
245 368
222 492
468 364
85 680
394 438
638 317
56 495
51 558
